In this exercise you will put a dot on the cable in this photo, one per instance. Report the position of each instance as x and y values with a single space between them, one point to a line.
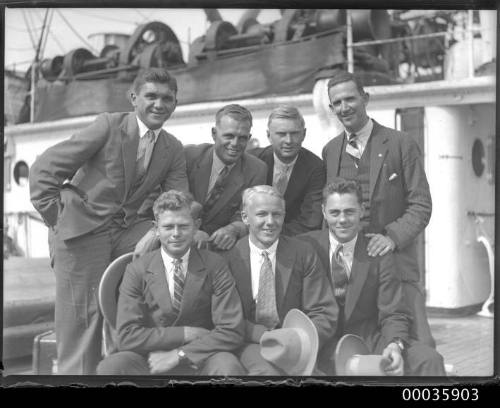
47 31
76 32
144 17
29 29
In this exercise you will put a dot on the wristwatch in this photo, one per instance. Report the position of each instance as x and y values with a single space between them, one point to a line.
183 359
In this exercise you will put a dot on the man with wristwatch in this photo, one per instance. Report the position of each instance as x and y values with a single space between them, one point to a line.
367 290
179 312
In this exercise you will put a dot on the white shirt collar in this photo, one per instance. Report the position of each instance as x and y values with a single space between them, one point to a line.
218 164
278 163
143 129
255 249
168 260
364 133
348 246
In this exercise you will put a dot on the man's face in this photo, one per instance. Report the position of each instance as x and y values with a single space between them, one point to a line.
154 103
286 137
349 105
176 230
264 217
343 214
231 137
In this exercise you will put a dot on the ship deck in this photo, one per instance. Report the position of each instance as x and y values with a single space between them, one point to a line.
466 342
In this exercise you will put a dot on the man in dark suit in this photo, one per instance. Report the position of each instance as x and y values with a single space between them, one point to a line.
178 308
396 196
90 191
367 290
274 274
218 173
297 173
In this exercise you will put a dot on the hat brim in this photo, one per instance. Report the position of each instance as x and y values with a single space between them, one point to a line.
108 287
295 318
347 346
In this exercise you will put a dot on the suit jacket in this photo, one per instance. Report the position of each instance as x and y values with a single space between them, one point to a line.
303 192
147 322
301 283
100 160
374 309
247 172
400 201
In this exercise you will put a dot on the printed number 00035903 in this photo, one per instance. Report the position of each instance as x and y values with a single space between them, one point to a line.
440 394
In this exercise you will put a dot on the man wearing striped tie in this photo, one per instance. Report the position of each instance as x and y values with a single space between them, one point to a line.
275 273
179 312
367 290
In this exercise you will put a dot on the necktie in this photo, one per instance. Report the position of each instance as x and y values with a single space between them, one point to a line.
352 148
266 312
150 144
282 180
178 285
217 190
339 274
145 150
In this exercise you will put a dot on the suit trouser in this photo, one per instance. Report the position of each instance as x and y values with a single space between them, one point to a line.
415 300
79 264
130 363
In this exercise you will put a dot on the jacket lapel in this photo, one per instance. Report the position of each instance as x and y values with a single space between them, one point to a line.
298 178
359 272
244 275
130 143
377 156
201 176
284 264
234 182
195 276
324 252
336 149
159 285
268 158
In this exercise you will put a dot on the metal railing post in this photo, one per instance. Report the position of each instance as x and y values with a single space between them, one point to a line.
350 56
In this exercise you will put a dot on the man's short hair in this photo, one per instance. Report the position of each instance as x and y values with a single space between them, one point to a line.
263 189
342 186
174 200
156 75
286 112
237 112
344 76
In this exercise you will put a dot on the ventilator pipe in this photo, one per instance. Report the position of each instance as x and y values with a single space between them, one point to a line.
487 308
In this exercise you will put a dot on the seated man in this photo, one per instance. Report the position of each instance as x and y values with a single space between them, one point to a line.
218 173
297 173
178 310
274 274
368 290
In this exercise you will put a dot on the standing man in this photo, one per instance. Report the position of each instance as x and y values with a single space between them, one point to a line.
297 173
396 196
89 190
218 173
178 308
274 274
367 289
